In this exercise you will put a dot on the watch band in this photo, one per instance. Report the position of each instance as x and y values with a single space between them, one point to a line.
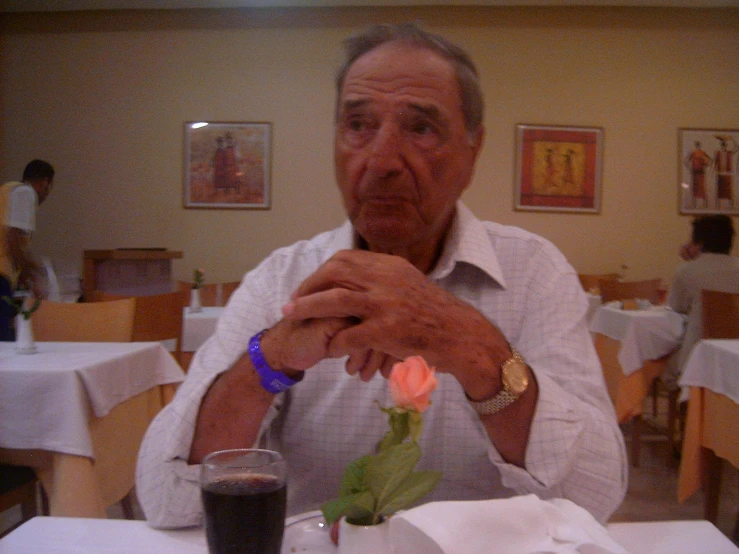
271 380
505 397
495 404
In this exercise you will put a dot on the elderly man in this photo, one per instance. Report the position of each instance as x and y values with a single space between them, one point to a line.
18 204
521 405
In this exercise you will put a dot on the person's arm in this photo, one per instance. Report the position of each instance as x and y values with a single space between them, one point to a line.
16 245
220 405
232 410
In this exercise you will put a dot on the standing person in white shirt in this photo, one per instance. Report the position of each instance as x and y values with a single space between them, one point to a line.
18 204
411 272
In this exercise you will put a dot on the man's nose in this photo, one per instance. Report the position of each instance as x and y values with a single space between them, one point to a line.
386 150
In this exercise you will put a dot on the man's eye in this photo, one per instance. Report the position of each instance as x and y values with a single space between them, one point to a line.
421 128
356 125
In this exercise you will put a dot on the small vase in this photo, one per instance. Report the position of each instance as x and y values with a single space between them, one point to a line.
364 539
195 305
24 343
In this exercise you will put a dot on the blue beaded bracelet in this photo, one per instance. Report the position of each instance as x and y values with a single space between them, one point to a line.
271 380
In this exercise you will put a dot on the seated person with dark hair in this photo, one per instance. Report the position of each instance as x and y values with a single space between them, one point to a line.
412 272
711 267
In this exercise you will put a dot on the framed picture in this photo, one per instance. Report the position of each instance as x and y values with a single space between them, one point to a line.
227 165
708 180
558 168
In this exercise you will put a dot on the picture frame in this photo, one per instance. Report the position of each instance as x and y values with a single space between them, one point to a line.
708 179
227 165
558 168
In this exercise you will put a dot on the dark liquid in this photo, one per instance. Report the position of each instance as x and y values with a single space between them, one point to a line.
245 514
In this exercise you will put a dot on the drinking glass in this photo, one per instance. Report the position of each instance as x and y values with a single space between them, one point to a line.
244 495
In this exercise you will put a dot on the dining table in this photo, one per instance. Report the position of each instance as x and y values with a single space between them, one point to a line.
711 380
54 535
197 327
633 346
76 413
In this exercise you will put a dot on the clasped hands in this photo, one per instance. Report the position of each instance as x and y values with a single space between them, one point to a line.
377 309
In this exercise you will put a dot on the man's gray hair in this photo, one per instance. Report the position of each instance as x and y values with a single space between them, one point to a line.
473 104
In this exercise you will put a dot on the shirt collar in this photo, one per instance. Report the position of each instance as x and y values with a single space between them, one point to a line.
468 242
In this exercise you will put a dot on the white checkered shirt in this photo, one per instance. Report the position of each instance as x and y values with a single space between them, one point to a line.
522 284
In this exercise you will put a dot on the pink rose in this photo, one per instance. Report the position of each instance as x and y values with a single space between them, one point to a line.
411 383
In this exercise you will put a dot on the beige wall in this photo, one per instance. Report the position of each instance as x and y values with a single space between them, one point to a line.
104 96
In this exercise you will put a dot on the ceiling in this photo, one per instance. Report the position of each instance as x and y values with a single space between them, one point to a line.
70 5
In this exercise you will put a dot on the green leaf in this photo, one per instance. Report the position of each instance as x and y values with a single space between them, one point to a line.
388 469
356 507
413 488
354 479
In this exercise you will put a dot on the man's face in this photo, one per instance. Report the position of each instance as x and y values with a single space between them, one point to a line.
402 153
42 188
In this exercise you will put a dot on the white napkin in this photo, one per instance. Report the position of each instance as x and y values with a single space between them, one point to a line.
522 524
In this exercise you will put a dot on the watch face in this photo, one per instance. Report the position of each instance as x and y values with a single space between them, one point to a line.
515 376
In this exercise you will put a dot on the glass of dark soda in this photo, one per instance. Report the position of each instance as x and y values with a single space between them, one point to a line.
244 498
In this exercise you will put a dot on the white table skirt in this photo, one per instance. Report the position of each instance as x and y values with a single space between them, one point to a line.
52 535
714 364
644 334
47 398
197 327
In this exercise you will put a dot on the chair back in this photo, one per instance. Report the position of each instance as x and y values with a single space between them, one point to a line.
209 292
157 317
85 321
648 289
590 281
720 314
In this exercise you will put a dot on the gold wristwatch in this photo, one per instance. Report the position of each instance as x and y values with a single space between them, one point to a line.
515 378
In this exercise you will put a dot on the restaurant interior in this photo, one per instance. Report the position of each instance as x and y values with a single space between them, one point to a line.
107 91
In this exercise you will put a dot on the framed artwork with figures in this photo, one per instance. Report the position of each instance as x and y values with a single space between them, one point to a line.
227 165
558 168
708 179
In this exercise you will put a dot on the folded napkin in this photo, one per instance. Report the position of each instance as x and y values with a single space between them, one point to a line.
521 525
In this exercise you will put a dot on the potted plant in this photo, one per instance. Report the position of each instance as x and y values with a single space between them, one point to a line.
376 486
24 306
198 278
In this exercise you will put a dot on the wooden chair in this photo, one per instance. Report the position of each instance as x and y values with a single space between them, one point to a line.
84 321
648 289
156 318
720 314
720 320
18 487
590 281
209 292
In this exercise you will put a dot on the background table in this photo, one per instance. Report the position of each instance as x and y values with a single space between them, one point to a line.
712 428
197 327
77 412
632 345
86 536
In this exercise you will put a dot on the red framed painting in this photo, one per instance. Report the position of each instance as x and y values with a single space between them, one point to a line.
558 168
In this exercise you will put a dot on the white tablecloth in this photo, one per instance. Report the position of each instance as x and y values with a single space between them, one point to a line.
714 365
644 334
52 535
198 327
45 398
